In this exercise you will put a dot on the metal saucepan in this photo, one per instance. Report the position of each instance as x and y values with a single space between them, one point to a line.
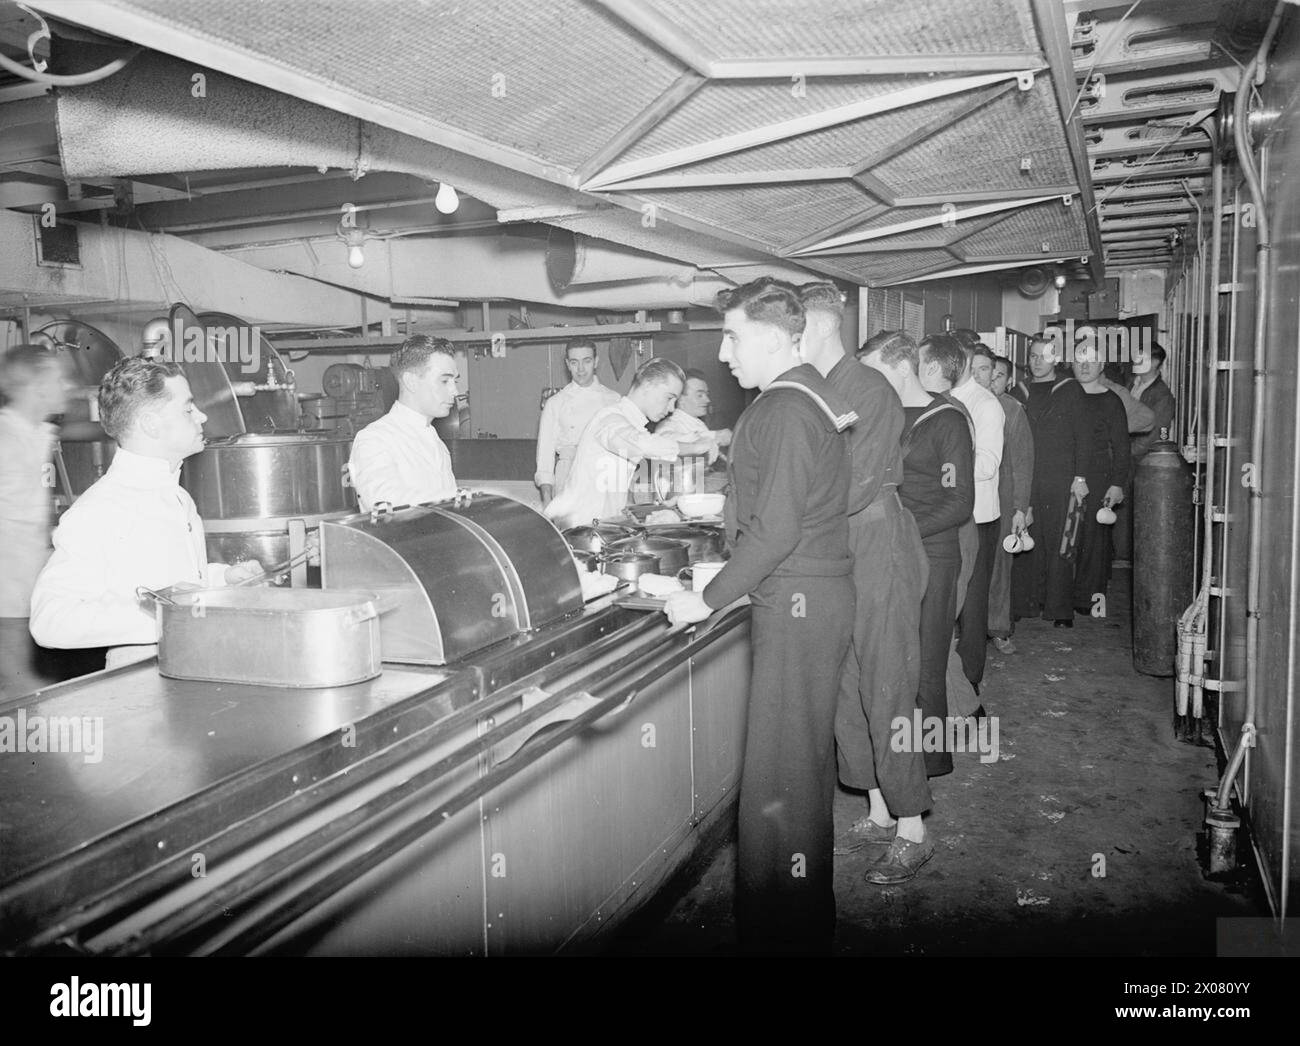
595 537
672 555
701 542
588 562
630 565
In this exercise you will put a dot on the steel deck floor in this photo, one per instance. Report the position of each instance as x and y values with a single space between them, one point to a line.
1088 765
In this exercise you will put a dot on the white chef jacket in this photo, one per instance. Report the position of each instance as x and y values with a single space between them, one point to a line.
611 447
989 418
688 429
26 485
564 417
401 459
136 525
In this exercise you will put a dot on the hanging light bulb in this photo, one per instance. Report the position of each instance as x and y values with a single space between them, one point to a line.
353 238
446 201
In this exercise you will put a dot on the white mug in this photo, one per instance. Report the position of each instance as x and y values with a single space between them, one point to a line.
1105 515
703 573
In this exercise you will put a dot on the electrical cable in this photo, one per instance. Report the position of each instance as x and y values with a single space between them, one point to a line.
71 80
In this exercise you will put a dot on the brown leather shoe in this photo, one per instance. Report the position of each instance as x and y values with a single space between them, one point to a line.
901 862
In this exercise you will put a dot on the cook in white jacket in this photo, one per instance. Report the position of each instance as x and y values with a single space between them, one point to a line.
400 459
135 526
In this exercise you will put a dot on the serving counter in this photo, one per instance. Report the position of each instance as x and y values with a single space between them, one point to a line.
520 799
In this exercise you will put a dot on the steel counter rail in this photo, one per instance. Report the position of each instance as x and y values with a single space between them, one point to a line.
264 868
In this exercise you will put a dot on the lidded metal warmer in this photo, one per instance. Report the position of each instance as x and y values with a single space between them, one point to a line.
459 575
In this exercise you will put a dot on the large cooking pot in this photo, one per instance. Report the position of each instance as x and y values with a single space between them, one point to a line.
672 555
701 542
595 537
631 565
247 487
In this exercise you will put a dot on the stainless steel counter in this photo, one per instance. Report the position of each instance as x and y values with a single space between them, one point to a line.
379 818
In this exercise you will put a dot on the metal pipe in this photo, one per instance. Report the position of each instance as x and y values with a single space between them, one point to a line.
1263 247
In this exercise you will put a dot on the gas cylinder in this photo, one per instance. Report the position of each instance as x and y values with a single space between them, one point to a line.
1163 558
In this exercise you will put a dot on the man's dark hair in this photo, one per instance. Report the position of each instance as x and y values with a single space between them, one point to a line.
966 337
657 371
945 350
582 343
1157 353
892 346
980 349
22 365
766 300
822 294
696 375
415 353
133 385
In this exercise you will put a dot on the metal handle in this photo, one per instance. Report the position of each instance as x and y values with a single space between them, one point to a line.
148 593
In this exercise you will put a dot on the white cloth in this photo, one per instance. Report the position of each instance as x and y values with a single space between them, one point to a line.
564 417
135 526
26 483
686 428
400 459
610 449
989 418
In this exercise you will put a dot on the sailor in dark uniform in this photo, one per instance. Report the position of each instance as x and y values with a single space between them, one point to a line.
787 525
1042 579
883 668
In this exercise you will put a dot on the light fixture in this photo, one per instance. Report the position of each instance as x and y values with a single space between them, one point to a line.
446 201
1059 280
354 238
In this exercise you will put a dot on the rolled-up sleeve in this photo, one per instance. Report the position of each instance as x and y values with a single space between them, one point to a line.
619 436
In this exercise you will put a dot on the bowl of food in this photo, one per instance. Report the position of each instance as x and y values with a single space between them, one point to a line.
697 506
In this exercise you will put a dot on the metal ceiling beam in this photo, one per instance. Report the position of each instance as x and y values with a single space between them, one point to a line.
925 222
835 228
763 135
1049 17
985 195
724 179
968 270
937 243
924 130
687 49
871 65
649 118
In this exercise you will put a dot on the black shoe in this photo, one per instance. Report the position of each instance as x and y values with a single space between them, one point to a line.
1063 622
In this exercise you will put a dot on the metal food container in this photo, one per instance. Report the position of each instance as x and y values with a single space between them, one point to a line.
461 575
270 636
